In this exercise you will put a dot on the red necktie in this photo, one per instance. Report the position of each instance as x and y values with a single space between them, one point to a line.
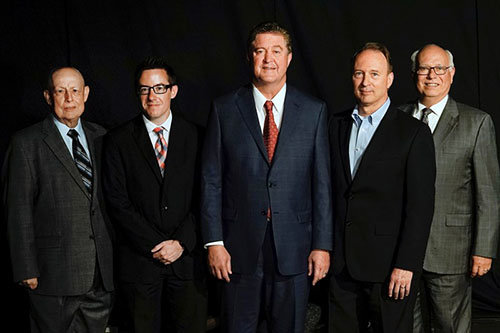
160 148
270 132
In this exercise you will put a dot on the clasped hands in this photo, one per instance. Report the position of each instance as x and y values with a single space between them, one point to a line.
167 251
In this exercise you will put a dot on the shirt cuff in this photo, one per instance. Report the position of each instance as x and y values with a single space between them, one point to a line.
214 243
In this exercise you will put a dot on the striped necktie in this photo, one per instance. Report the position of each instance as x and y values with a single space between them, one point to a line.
82 161
425 115
160 148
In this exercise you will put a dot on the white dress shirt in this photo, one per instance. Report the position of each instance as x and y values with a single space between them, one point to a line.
433 117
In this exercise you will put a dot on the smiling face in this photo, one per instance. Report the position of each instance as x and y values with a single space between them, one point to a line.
67 96
371 80
156 106
270 59
433 87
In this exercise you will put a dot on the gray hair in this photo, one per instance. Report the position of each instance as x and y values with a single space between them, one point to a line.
415 54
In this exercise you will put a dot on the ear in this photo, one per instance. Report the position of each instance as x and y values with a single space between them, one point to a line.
289 59
173 91
86 91
390 79
452 73
48 97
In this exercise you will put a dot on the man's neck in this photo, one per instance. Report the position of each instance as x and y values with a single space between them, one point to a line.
269 90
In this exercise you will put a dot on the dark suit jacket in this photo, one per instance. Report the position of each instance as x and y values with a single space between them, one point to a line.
383 215
467 209
239 183
56 229
145 207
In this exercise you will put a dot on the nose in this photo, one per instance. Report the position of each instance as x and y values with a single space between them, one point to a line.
267 56
432 73
68 96
365 80
151 93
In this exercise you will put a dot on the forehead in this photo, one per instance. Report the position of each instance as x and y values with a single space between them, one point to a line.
269 39
433 55
67 76
155 76
370 60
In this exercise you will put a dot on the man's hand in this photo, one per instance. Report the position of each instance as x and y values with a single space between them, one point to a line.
480 266
168 251
319 262
30 283
400 283
219 262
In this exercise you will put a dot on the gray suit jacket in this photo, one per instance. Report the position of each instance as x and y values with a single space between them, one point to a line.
467 213
56 229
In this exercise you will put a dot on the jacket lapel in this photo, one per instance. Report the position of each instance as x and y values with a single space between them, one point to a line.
344 133
143 142
175 150
291 114
446 123
91 138
56 144
246 106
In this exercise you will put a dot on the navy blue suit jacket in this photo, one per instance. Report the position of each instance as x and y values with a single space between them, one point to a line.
239 183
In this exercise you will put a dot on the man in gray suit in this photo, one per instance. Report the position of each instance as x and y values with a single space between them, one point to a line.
464 231
59 239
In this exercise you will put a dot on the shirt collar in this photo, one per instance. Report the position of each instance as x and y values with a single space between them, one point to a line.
63 129
437 108
278 100
150 126
375 118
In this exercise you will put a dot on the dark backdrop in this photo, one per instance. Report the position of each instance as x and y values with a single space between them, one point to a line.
205 42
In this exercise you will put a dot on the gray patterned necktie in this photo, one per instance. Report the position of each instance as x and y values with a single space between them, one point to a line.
82 161
425 115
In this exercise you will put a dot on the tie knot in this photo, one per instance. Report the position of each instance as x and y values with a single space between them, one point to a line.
73 134
268 105
158 130
426 112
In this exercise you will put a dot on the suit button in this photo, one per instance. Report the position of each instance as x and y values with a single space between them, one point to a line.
91 237
271 185
348 223
263 212
93 212
165 208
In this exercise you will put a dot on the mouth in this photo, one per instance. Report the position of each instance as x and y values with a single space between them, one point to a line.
431 84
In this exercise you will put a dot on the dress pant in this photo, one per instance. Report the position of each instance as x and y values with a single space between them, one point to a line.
265 297
167 305
87 313
448 301
357 306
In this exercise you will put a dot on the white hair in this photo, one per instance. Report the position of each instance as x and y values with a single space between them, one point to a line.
415 54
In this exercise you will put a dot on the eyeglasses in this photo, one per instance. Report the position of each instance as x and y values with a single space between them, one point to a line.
158 89
439 70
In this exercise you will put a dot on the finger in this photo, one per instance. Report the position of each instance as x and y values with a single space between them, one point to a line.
395 292
402 292
309 267
474 271
157 247
391 288
228 266
225 275
407 290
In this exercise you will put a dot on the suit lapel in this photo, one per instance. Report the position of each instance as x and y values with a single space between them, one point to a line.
291 114
175 150
91 136
143 142
446 123
378 141
344 133
53 139
246 106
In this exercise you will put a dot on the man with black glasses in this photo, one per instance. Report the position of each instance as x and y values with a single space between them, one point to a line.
149 171
464 232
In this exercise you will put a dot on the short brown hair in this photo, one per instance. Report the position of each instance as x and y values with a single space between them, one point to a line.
375 46
268 27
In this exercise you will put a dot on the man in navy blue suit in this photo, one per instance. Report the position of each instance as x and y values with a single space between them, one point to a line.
266 195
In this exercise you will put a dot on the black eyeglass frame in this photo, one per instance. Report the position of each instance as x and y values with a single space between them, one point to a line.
155 88
428 70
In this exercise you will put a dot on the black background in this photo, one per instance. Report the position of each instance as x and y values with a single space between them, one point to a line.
205 43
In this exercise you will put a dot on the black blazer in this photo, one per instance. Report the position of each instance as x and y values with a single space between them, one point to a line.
383 215
146 208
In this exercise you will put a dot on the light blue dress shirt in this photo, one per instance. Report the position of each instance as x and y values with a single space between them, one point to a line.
362 132
63 130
